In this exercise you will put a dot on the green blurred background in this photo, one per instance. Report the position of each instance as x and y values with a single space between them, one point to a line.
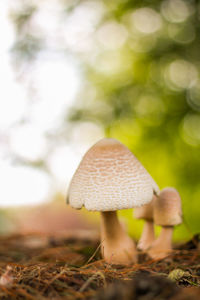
139 64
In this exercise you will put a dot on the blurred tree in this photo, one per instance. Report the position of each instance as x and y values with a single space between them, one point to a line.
141 63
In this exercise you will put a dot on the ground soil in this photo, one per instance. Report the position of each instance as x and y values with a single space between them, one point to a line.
35 266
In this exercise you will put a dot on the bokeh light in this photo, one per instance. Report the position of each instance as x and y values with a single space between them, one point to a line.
23 185
146 20
74 72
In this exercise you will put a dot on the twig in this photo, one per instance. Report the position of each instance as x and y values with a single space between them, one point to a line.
54 279
93 277
93 255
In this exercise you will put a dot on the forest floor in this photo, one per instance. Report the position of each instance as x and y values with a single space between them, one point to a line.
34 266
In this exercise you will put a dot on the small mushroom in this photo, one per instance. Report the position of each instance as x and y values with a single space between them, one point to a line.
167 213
148 236
110 178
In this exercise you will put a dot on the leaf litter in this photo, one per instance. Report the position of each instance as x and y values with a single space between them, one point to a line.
35 266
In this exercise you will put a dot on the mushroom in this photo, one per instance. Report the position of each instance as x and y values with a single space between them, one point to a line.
167 213
146 213
110 178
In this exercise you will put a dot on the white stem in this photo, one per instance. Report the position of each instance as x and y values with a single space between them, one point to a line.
116 246
163 244
147 237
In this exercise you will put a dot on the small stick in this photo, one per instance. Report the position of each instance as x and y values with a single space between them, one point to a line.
94 276
93 255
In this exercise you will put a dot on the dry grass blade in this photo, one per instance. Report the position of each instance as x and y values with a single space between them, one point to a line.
93 255
93 277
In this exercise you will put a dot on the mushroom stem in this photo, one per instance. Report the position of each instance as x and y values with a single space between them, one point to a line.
116 246
147 236
162 246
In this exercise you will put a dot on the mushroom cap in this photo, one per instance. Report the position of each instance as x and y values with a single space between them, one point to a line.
109 178
167 208
146 211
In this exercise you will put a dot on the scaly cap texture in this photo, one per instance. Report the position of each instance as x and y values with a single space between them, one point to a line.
167 208
109 178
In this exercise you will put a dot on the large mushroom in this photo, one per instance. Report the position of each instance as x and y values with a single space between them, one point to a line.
110 178
148 236
167 213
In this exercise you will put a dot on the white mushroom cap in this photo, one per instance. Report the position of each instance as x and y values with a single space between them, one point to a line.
110 178
146 211
167 208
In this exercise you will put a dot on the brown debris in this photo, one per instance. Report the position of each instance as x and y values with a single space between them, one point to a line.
65 267
6 278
